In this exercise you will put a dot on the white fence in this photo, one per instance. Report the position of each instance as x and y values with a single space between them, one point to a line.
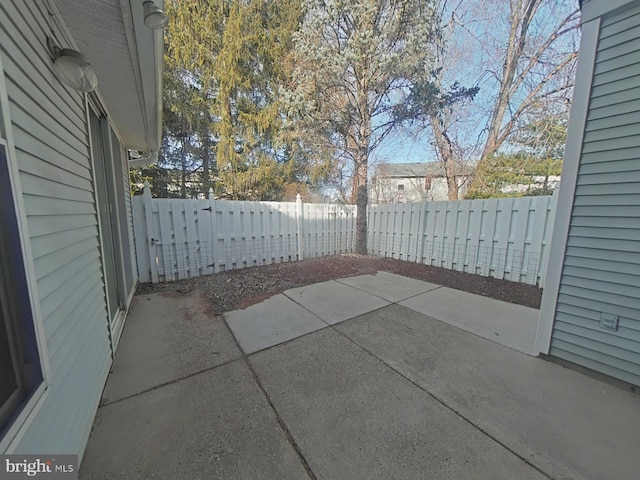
504 238
178 238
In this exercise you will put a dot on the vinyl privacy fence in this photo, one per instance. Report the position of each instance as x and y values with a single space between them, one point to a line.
177 239
502 238
506 238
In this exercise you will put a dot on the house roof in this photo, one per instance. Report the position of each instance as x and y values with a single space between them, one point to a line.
416 170
127 59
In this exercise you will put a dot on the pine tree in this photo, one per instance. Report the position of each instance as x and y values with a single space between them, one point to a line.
356 60
237 53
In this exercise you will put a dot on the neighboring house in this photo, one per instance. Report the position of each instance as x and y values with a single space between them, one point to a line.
537 182
411 182
67 271
590 313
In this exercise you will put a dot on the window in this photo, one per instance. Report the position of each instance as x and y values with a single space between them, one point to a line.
20 371
400 187
427 183
9 380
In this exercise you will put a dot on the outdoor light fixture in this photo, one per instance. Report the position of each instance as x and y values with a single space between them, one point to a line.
72 68
154 17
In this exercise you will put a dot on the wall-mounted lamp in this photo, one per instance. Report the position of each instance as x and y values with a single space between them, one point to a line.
72 68
154 16
137 160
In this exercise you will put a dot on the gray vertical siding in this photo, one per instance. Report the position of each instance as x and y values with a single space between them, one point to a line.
601 271
50 135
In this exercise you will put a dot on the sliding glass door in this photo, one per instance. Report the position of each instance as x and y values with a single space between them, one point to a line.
107 205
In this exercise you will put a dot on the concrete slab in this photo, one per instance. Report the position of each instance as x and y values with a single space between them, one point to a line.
389 286
354 418
504 323
271 322
569 425
334 302
214 425
167 337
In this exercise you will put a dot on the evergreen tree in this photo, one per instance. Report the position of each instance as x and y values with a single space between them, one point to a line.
237 55
356 61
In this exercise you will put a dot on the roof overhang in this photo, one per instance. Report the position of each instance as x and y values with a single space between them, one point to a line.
592 9
127 58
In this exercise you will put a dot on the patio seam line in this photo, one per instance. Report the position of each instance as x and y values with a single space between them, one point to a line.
285 430
283 426
448 407
378 296
331 324
327 324
389 303
170 382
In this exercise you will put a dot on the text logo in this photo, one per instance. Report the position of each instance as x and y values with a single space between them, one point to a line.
50 467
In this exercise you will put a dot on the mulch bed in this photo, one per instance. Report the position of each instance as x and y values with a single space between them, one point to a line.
240 288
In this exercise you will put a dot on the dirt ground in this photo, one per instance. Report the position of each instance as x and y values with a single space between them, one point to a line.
236 289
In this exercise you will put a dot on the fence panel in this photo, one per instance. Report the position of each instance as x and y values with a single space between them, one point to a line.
179 239
504 238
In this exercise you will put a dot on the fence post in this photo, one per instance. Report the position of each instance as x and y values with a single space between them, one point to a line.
215 248
151 241
543 258
299 224
421 227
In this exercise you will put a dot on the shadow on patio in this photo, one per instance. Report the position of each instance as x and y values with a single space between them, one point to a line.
365 377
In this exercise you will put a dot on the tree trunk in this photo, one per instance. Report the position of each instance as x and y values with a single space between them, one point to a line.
205 165
452 181
356 183
183 161
360 185
445 149
361 220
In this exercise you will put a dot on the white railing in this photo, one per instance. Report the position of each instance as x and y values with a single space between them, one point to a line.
505 238
178 238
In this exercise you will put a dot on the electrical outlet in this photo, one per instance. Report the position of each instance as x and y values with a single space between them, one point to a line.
609 321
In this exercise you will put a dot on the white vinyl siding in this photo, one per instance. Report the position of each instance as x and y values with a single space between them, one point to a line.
50 135
601 271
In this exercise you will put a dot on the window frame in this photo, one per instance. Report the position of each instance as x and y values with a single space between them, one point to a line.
28 411
13 401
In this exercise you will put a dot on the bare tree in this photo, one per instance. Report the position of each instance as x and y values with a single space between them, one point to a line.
522 63
523 57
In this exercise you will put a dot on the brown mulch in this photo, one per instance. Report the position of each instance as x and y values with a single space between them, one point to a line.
240 288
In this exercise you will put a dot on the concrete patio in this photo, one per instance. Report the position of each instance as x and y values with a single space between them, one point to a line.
370 377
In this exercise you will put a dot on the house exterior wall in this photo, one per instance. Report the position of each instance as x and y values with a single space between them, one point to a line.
48 136
387 190
601 265
397 190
